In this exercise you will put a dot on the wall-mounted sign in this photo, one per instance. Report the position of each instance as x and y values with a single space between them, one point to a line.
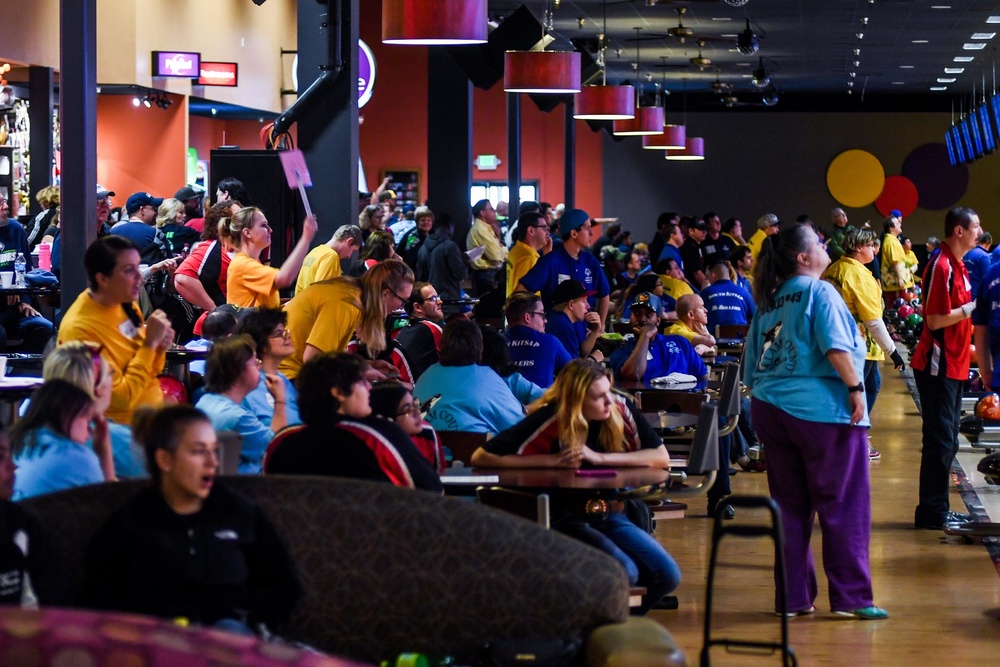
218 74
185 65
366 73
486 162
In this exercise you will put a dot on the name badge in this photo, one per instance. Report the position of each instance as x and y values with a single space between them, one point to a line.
562 277
128 329
649 355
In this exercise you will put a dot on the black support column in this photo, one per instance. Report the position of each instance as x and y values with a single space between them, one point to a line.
514 153
569 158
328 129
40 106
77 91
449 141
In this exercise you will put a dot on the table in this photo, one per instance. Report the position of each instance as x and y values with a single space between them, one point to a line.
564 482
178 359
13 391
48 297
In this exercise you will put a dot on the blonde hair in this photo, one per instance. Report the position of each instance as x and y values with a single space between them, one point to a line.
76 363
389 274
366 219
231 228
568 393
168 211
48 196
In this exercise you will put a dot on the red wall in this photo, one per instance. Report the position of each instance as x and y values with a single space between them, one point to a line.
140 149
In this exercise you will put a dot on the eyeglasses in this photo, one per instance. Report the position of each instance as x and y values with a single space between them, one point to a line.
393 292
421 299
540 313
284 333
408 409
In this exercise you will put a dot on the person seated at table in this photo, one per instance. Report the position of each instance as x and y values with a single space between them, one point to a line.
186 547
340 437
107 313
80 363
232 372
379 246
726 302
580 421
650 354
419 341
573 322
536 354
268 329
664 305
218 324
326 315
18 318
675 285
463 395
394 401
692 321
52 442
496 355
250 283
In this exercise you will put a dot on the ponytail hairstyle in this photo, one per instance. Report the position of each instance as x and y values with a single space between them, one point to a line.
391 275
778 261
163 429
231 229
567 393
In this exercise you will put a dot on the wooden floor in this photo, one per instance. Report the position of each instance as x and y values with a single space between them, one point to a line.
943 595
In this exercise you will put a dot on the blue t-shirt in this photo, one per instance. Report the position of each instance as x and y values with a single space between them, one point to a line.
745 284
52 463
13 240
138 233
537 356
129 456
727 303
987 313
977 263
467 398
570 334
667 354
557 266
671 252
261 403
785 361
228 416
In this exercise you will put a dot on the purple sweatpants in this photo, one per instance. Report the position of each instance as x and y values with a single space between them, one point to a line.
820 469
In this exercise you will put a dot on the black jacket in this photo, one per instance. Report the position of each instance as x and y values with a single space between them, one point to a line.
26 555
442 264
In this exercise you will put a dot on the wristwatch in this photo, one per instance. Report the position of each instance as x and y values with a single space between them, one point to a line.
858 387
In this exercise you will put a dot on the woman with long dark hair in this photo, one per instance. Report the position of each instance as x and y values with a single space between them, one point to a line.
804 363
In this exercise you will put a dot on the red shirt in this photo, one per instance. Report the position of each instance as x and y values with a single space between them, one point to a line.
945 352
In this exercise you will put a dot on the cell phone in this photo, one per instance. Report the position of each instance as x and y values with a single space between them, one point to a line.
596 472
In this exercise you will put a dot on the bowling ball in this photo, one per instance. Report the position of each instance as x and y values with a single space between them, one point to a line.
989 466
898 302
916 290
915 301
905 311
173 389
913 320
988 407
907 297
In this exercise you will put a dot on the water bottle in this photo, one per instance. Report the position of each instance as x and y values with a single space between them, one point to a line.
19 268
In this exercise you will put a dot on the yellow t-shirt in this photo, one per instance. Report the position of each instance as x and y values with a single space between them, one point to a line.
250 284
494 255
892 254
325 316
322 263
863 296
681 329
911 262
133 366
756 242
519 261
674 287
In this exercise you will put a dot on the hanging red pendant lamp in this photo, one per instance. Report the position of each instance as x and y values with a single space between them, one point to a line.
605 103
433 22
672 138
647 121
552 72
694 150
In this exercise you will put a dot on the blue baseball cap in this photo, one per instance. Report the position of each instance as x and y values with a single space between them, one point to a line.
575 218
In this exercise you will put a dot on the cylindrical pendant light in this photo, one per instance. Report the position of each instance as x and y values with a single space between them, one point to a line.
554 72
647 121
433 22
605 103
694 150
672 138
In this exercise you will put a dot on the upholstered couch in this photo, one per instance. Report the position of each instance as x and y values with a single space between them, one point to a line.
387 570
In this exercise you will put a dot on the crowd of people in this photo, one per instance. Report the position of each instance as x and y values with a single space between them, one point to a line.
351 356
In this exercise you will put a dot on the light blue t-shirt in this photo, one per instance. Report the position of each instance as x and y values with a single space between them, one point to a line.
129 455
228 416
261 403
524 390
54 463
472 398
785 361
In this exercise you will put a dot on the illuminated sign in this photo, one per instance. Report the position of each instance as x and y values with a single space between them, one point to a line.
218 74
366 73
185 65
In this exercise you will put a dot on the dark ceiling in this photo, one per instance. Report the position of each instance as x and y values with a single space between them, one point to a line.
808 47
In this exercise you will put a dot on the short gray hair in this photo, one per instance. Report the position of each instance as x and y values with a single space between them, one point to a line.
345 232
767 220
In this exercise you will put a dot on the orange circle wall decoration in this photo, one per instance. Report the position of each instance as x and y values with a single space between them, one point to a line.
855 178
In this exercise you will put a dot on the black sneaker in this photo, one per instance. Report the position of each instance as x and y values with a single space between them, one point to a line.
949 517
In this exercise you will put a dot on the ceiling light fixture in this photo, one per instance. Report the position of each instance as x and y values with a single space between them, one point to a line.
647 120
136 101
860 35
544 72
964 59
898 83
694 149
605 102
954 70
974 46
920 41
983 35
747 43
993 19
906 67
760 76
673 138
945 80
433 22
939 87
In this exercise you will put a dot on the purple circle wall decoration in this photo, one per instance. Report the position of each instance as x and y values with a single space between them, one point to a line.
940 185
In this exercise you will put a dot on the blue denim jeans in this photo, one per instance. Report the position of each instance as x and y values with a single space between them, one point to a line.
873 383
645 561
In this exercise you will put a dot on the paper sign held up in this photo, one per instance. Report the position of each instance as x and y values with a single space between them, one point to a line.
294 164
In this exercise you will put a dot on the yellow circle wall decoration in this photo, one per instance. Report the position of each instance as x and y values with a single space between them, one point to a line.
855 178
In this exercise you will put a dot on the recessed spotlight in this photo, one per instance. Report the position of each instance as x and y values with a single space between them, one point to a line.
906 67
940 6
852 74
946 80
993 19
920 41
964 59
939 87
974 46
954 70
856 62
214 111
857 52
860 35
983 35
864 21
136 101
898 83
850 84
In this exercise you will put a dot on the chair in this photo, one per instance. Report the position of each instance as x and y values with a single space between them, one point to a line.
729 398
462 444
230 445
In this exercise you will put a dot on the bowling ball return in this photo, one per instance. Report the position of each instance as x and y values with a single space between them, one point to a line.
973 530
982 433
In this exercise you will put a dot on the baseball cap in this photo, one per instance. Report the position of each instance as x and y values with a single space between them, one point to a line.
364 195
386 195
572 219
768 220
643 300
409 208
895 213
188 192
103 192
570 289
701 224
139 199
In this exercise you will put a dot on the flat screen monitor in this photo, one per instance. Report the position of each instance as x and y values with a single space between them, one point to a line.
951 148
972 123
957 144
989 136
970 151
994 106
